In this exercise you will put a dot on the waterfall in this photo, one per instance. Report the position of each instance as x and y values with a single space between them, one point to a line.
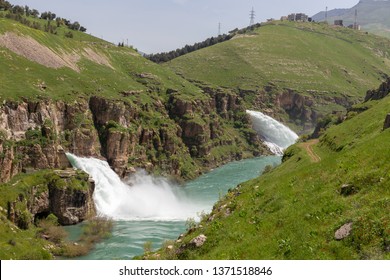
276 136
143 197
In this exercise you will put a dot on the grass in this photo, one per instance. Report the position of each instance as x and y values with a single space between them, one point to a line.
21 244
294 210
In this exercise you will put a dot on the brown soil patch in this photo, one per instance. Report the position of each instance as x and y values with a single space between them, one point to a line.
97 58
308 146
34 51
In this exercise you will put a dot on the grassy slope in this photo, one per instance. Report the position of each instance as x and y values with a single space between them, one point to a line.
302 57
19 77
293 211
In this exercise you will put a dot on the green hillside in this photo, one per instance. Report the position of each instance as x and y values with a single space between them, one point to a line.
330 67
72 67
294 210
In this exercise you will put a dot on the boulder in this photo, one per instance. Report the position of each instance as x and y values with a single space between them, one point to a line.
343 232
198 241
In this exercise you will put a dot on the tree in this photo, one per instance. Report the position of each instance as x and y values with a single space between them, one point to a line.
83 29
5 5
48 16
34 13
52 16
27 10
76 25
44 15
18 10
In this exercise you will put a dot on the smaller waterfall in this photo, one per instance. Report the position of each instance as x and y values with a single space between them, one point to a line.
276 136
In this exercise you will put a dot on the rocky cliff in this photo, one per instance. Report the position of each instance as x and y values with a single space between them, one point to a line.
176 136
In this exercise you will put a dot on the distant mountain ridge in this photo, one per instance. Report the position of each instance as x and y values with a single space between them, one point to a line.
373 16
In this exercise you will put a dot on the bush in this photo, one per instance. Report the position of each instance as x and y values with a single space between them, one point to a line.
73 250
51 231
96 229
267 169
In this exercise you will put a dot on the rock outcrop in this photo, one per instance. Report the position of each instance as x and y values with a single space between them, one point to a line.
198 241
381 92
65 193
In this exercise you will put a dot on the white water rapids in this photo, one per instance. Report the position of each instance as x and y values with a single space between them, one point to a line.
142 198
276 135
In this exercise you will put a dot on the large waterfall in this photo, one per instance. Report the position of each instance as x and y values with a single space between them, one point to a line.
142 198
276 136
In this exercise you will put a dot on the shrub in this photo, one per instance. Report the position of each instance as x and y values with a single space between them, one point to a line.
267 169
96 229
72 250
51 231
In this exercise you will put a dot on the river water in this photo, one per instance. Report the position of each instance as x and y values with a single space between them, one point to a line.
149 209
132 232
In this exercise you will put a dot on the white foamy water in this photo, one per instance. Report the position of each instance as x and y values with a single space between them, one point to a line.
143 198
276 135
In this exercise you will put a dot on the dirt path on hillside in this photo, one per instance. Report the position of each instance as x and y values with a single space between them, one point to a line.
308 146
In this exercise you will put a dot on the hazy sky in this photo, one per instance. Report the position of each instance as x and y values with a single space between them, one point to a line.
163 25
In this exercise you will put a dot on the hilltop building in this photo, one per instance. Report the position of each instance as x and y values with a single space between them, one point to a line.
339 22
298 17
355 26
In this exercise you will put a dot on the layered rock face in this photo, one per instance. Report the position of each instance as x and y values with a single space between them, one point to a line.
36 134
175 137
